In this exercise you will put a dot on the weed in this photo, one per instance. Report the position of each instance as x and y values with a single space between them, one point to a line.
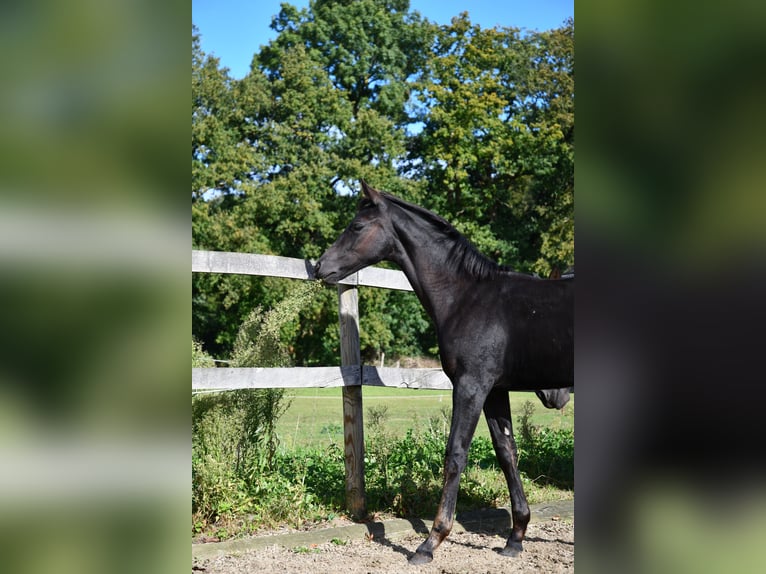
332 429
339 542
259 340
376 417
306 549
403 476
234 440
545 455
526 428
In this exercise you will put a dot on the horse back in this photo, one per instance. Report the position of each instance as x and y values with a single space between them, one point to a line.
517 332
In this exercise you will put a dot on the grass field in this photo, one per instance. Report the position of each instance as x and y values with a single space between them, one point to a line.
315 416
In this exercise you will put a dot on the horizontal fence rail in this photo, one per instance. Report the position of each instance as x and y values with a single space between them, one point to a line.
229 379
290 268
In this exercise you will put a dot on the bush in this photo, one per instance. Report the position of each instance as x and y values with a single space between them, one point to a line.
233 442
546 455
403 476
199 357
234 439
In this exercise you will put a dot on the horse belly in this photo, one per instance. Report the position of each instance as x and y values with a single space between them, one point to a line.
540 360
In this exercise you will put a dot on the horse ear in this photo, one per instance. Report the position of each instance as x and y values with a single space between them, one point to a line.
372 194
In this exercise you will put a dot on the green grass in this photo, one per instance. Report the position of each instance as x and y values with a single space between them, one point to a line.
404 454
315 416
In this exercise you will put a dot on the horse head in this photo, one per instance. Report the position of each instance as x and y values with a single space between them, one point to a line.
367 240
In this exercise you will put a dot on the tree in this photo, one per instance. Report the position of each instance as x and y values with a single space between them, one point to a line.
370 49
219 156
476 124
497 144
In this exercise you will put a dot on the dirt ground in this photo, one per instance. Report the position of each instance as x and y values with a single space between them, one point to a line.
548 548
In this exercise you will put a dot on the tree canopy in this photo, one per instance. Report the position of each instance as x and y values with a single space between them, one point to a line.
475 124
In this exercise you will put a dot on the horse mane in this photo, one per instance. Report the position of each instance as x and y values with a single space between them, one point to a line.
463 255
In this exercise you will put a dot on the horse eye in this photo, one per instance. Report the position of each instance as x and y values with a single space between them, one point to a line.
357 226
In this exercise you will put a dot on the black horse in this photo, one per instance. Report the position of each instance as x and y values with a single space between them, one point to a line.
498 331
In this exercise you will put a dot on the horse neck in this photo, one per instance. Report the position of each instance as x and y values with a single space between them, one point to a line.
424 257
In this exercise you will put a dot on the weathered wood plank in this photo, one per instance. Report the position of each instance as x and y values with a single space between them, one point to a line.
384 278
319 377
406 378
290 268
251 264
271 378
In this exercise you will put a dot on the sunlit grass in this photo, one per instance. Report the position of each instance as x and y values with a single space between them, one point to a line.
315 416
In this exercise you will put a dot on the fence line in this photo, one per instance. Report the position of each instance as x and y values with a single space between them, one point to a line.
290 268
229 379
350 376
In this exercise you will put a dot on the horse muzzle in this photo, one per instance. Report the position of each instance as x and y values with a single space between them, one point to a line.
322 273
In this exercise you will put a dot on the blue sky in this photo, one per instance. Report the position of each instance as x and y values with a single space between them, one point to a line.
234 30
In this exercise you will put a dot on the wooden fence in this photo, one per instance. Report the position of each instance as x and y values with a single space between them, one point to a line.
350 375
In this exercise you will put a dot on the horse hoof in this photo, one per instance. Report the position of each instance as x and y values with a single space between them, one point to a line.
421 558
512 549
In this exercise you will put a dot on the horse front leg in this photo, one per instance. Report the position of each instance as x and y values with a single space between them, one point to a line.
497 411
466 409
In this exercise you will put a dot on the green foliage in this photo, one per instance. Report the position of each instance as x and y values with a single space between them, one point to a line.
546 455
476 124
526 429
339 541
376 417
260 338
403 475
234 439
305 550
497 145
199 357
369 48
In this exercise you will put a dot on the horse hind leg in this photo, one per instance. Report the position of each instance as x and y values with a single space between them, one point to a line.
497 410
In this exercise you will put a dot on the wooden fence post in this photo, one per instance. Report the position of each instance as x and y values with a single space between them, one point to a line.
353 429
